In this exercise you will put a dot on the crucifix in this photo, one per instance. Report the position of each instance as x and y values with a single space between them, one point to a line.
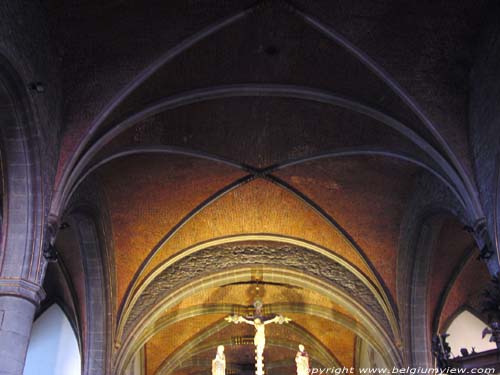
259 322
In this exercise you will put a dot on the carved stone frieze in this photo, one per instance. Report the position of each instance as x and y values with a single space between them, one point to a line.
229 256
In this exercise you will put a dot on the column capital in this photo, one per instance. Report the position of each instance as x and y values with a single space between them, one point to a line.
21 288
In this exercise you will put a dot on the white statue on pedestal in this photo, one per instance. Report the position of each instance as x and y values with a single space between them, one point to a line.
219 362
302 361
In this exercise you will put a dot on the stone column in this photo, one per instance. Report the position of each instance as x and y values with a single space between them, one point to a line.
420 340
18 302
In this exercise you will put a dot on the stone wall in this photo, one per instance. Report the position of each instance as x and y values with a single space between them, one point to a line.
484 118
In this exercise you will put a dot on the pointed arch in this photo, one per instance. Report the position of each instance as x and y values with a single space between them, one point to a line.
465 327
23 214
53 348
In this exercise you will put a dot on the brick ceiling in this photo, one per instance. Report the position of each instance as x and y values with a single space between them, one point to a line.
263 125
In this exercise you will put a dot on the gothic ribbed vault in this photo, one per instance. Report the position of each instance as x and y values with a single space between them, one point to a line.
196 155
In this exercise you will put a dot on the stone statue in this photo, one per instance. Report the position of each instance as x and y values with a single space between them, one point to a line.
219 362
441 350
494 331
302 361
